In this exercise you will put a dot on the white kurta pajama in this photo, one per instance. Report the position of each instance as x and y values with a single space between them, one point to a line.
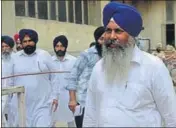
63 113
40 90
147 97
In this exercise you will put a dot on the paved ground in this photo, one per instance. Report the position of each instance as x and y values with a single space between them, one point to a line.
61 124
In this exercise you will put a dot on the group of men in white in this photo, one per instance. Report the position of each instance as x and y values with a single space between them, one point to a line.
111 84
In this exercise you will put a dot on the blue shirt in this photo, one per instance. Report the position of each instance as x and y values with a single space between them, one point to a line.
80 74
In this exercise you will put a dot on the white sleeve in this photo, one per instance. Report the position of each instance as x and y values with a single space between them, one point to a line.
90 107
53 76
164 95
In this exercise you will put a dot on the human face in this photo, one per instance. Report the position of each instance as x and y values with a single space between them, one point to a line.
5 47
117 54
29 46
27 42
114 32
59 46
18 45
60 49
6 51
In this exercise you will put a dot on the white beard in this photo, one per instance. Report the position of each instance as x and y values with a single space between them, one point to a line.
6 55
117 62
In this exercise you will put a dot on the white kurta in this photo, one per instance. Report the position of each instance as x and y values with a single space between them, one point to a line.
146 98
40 90
6 71
63 113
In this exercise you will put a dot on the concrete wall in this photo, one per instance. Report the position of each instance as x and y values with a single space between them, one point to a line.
8 18
153 13
102 4
79 36
154 16
94 13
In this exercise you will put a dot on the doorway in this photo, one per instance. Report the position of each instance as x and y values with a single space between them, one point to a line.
170 34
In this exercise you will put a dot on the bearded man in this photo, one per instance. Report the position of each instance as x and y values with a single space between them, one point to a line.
128 87
41 91
64 62
7 45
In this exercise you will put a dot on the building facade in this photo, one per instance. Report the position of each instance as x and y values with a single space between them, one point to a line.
75 19
78 19
159 20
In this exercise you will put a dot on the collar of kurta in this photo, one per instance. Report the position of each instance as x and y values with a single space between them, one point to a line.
66 57
136 55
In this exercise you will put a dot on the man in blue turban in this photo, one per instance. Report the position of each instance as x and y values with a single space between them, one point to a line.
7 45
128 87
41 91
64 62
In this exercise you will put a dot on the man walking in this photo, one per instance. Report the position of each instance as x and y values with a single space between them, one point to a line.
128 87
63 62
41 90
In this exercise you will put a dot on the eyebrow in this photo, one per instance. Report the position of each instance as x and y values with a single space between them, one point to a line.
114 29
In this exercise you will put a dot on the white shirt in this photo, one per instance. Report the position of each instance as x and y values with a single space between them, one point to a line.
147 97
6 71
40 90
63 113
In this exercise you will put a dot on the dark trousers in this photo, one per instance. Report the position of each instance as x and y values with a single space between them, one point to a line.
79 120
6 116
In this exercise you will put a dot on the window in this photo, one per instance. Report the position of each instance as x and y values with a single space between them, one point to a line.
62 10
85 3
78 12
53 10
70 11
31 8
122 1
42 9
73 11
20 8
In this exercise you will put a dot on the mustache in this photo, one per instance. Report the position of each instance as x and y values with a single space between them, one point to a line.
117 43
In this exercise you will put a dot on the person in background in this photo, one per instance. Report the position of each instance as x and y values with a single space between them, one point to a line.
128 87
80 74
7 45
41 90
170 62
63 62
18 42
159 52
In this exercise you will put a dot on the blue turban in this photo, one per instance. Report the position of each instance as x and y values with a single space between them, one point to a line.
62 39
8 40
127 17
29 32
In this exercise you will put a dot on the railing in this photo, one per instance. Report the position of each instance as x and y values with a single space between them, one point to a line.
20 90
20 93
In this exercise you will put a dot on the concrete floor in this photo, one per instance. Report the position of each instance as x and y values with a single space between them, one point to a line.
61 124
